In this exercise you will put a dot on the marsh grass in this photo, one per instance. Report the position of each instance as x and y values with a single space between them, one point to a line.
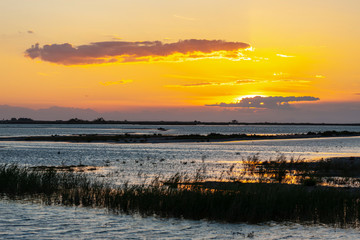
344 171
181 198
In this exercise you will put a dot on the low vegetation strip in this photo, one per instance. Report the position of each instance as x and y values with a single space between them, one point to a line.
221 201
160 138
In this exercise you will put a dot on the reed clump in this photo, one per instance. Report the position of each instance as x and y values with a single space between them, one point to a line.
340 171
174 197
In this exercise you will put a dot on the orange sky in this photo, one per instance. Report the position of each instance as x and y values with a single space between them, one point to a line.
268 48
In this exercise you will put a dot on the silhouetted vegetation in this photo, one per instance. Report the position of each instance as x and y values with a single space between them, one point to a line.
18 120
174 197
158 138
331 171
103 121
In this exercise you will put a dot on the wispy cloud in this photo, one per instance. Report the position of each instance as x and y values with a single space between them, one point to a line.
115 82
267 102
30 32
184 18
319 76
196 77
120 51
206 84
281 75
202 84
43 74
114 36
284 56
189 77
47 74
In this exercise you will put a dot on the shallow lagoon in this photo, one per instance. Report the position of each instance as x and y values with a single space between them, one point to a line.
137 162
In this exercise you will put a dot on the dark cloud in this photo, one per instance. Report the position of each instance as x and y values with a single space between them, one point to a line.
30 31
267 102
104 52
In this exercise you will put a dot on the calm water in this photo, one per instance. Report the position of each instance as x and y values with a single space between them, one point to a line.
139 163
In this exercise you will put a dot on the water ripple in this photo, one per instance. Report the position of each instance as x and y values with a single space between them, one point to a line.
33 221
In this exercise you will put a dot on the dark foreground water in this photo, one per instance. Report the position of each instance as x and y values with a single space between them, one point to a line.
35 221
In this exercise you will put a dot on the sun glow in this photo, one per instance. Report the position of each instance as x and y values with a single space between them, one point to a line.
235 56
238 99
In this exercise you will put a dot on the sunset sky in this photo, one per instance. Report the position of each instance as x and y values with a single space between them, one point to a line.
208 60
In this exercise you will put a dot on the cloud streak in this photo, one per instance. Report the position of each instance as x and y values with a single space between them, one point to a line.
121 51
206 84
184 18
267 102
284 56
109 83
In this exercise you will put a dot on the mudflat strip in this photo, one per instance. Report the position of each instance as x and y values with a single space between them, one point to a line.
159 138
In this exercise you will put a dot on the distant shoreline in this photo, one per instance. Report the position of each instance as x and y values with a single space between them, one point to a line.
125 122
159 138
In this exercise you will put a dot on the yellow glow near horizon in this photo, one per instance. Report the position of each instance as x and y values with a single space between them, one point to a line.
238 99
